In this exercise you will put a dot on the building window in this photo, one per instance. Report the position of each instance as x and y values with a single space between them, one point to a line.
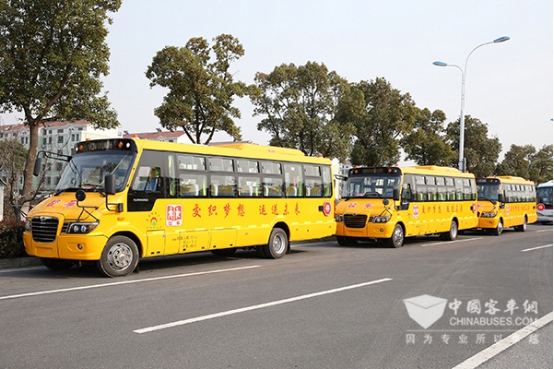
60 139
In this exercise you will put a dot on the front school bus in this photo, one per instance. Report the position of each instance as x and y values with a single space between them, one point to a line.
505 201
391 203
119 200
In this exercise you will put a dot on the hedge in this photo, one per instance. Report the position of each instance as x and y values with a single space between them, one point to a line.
11 239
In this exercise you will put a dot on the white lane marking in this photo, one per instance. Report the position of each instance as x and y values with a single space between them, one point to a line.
450 242
255 307
536 248
497 348
125 282
542 230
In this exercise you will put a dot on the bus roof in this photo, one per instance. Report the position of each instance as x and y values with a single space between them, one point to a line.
232 149
511 179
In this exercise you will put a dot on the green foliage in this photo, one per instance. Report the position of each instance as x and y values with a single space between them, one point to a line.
526 162
480 151
541 165
426 144
388 115
53 54
11 239
201 93
308 108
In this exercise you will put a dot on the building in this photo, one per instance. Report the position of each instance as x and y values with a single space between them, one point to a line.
57 137
159 135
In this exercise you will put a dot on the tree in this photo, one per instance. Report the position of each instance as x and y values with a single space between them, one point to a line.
53 54
480 151
12 164
388 114
200 93
540 167
426 144
517 161
308 108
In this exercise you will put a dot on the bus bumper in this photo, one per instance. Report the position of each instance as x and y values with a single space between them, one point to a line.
371 230
69 247
488 223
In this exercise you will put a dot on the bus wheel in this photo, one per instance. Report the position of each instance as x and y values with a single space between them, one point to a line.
278 244
346 241
499 228
119 257
397 238
523 227
452 234
57 264
224 252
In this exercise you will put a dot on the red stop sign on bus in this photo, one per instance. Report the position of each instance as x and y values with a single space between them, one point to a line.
327 208
540 207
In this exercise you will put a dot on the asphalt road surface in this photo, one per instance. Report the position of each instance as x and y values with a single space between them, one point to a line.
481 301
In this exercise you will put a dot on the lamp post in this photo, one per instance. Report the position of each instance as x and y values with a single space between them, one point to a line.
461 161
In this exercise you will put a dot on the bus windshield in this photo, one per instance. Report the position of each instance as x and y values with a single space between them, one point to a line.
488 191
374 185
544 195
86 171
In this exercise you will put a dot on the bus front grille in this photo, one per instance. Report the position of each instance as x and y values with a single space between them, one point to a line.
355 221
44 229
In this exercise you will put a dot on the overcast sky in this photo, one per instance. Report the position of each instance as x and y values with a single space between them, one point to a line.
508 85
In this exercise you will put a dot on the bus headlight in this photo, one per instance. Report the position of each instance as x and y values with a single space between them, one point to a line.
81 228
488 215
379 219
28 226
339 218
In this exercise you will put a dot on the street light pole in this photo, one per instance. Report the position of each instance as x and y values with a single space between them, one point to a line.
461 160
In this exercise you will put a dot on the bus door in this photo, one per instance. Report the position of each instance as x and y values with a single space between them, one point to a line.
406 208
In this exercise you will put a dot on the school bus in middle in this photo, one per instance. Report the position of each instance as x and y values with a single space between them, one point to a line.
391 203
505 201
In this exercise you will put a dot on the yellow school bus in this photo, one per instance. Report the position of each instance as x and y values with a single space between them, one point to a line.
120 200
391 203
505 201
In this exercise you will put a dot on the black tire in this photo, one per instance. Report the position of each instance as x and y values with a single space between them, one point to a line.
278 244
397 238
523 227
119 257
346 241
224 252
499 228
57 264
452 234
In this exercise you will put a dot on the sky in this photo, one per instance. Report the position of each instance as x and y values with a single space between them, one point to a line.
508 85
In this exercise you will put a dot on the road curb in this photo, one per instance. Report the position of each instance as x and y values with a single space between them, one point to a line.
19 262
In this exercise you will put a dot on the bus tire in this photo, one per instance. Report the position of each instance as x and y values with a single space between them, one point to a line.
119 257
224 252
277 245
57 264
523 227
452 234
346 241
397 238
499 228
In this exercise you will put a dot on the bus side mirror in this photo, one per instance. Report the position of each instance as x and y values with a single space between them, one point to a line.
500 197
36 168
109 183
395 194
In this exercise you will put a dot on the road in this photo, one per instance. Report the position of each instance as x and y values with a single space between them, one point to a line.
321 306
